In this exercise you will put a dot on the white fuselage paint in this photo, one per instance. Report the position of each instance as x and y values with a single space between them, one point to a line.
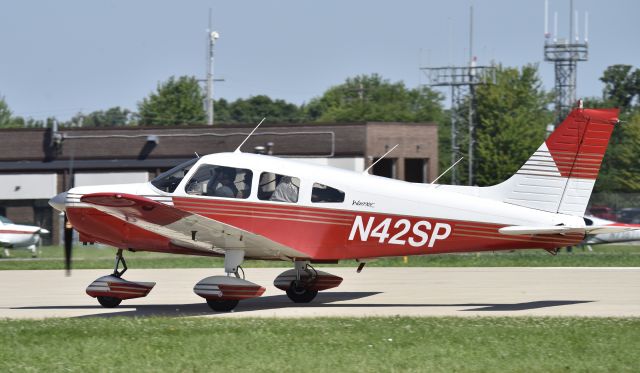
363 193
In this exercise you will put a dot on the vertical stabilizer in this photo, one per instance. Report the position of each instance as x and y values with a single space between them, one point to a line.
559 177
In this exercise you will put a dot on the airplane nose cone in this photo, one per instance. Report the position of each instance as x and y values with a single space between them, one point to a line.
57 202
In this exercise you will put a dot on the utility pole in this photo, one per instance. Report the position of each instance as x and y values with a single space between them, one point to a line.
212 36
462 80
472 99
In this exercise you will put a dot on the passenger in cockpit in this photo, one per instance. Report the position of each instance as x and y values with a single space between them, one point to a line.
286 191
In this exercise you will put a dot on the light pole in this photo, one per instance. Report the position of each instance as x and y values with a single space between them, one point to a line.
213 36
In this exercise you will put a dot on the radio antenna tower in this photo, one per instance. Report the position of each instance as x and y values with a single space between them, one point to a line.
462 80
565 55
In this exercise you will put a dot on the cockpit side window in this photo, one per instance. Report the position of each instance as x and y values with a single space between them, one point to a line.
168 181
220 181
278 188
325 194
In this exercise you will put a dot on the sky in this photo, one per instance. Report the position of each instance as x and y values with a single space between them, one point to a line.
58 58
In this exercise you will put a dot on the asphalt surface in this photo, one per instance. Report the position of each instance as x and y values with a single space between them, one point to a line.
462 292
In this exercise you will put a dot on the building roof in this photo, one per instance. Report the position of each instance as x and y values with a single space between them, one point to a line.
161 147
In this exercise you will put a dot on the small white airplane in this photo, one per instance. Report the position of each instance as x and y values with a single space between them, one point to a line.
610 238
14 236
248 206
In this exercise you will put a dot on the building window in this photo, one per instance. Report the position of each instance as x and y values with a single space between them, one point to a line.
278 188
325 194
220 181
416 170
386 167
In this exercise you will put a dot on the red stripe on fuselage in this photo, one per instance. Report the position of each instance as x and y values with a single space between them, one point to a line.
316 232
321 233
9 231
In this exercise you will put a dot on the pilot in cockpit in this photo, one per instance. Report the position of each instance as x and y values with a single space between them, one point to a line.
221 183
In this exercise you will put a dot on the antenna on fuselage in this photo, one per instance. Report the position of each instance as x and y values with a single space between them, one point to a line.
445 171
247 138
379 159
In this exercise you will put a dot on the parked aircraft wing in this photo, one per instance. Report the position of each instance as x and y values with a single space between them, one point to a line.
183 228
618 228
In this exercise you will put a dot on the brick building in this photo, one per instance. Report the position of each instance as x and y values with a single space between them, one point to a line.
36 164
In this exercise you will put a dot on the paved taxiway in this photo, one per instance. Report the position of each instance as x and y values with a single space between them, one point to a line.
374 292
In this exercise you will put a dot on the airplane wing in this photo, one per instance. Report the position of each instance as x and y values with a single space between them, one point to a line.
516 230
184 228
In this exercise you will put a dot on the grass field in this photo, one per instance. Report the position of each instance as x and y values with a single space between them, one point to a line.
325 345
89 257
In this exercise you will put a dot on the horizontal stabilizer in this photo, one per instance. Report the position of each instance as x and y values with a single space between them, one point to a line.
517 230
521 230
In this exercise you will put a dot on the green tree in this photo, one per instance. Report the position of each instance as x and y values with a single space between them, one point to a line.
372 98
221 111
176 101
5 113
112 117
253 109
620 172
7 120
621 85
512 116
621 169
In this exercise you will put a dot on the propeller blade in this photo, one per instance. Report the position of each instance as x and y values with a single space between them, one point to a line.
68 244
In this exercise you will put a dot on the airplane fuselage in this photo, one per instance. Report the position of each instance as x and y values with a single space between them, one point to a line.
373 217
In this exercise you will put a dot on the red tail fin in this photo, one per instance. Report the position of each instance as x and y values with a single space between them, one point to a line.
580 141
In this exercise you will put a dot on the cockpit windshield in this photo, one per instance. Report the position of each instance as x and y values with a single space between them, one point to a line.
168 181
5 220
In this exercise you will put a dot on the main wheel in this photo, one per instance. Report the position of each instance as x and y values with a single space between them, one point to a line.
222 305
300 295
109 302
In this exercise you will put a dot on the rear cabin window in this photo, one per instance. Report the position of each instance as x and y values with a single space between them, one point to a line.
325 194
278 188
220 181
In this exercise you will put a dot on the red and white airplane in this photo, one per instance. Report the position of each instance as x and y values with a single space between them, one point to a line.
13 236
249 206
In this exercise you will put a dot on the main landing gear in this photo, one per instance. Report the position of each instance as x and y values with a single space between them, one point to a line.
223 293
303 283
111 290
